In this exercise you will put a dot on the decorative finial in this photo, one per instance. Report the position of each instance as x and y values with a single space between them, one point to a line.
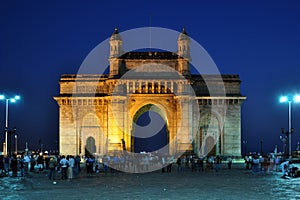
184 31
116 30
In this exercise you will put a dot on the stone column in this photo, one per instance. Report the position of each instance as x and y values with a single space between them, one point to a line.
158 87
152 88
140 86
146 87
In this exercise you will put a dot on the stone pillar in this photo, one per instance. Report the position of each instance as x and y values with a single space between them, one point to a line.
146 87
232 130
158 87
152 88
140 86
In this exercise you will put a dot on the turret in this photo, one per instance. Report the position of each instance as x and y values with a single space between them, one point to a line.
184 53
183 44
115 43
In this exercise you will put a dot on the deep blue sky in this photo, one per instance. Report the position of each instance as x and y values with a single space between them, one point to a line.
259 40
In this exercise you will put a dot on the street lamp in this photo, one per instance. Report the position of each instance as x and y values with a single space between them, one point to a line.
261 146
10 133
7 101
287 99
283 139
16 144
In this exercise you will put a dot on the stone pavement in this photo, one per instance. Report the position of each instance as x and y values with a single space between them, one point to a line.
236 183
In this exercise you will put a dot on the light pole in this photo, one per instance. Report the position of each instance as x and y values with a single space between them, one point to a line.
16 144
283 140
10 133
261 146
286 99
7 101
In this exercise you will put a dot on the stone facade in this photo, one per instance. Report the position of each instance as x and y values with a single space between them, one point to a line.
97 112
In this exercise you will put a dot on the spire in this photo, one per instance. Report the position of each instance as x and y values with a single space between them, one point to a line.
115 35
183 35
184 31
116 31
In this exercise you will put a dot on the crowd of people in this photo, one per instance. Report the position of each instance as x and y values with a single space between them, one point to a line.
270 163
66 167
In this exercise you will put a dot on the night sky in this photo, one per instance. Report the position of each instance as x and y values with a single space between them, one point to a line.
259 40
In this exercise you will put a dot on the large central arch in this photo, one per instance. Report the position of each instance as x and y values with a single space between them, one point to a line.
153 132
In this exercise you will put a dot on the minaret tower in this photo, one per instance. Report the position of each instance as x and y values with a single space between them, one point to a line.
184 53
115 51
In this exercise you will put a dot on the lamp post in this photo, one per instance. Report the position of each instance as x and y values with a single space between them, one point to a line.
7 101
16 144
283 140
10 133
286 99
261 146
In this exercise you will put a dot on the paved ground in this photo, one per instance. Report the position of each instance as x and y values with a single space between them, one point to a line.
237 183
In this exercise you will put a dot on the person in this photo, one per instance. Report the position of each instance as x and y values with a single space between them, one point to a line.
14 165
170 162
229 163
179 168
277 163
247 161
284 168
64 166
218 162
255 164
40 162
32 163
22 165
6 163
90 165
52 167
2 170
71 162
200 164
292 171
194 163
26 163
77 164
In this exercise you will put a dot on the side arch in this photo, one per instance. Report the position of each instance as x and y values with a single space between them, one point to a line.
210 131
90 135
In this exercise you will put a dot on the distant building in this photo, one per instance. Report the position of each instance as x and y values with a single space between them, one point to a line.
97 112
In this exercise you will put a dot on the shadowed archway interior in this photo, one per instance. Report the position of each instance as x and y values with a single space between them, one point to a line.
149 130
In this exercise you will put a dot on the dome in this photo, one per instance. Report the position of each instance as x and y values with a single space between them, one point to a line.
183 35
116 35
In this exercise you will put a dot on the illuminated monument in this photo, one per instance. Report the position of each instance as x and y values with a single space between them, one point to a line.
97 112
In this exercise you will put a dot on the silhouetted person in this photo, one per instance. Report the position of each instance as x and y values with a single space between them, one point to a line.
14 165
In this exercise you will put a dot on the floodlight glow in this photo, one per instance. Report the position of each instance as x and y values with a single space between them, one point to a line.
12 100
2 97
17 97
283 99
297 98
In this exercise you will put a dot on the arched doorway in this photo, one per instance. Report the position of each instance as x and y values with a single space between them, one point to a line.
209 135
149 130
90 147
209 146
91 135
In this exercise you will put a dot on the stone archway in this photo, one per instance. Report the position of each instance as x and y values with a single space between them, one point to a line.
90 146
90 135
209 146
209 137
149 130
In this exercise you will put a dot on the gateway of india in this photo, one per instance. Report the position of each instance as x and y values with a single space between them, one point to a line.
97 112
